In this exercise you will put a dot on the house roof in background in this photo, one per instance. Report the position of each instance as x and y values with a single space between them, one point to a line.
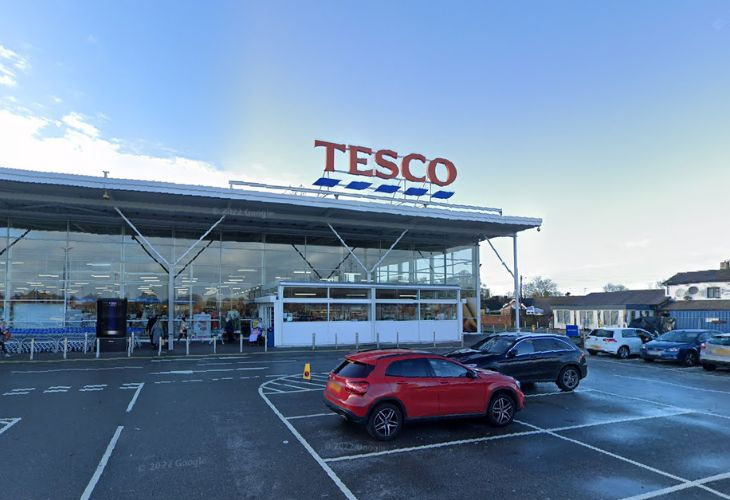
626 298
710 275
700 305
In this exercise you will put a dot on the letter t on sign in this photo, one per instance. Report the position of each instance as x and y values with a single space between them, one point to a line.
330 147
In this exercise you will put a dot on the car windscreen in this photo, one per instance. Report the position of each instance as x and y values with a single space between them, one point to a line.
606 334
497 345
353 369
719 341
679 336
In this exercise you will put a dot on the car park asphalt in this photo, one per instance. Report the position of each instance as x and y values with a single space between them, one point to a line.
247 426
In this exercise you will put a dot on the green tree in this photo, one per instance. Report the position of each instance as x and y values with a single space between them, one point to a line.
610 287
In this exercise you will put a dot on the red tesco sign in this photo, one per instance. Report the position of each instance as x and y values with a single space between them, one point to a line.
387 168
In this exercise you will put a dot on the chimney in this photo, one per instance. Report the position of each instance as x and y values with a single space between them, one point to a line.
725 264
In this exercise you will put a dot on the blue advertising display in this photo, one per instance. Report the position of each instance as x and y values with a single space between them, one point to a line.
571 330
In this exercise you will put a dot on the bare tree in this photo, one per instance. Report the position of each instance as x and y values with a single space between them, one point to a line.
540 287
610 287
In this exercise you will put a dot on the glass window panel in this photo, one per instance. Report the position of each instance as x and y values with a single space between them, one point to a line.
349 293
299 292
349 312
438 311
305 312
396 312
393 293
438 294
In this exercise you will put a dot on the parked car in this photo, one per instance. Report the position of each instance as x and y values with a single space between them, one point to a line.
621 342
716 352
678 345
528 357
382 389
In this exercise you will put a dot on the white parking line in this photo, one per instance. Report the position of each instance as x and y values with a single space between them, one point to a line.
164 382
190 372
330 414
80 369
297 381
328 470
134 398
555 393
298 387
431 446
619 457
673 384
684 486
102 464
7 423
193 380
537 430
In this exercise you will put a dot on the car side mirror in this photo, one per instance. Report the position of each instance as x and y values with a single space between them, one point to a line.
471 374
511 354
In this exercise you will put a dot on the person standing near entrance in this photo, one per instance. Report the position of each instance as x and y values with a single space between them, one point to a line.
4 337
183 329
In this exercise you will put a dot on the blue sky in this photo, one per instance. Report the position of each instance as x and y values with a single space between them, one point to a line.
609 120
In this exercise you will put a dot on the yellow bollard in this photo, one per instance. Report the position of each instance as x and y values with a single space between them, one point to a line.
307 375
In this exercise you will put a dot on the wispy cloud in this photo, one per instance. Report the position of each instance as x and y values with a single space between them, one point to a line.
10 63
642 243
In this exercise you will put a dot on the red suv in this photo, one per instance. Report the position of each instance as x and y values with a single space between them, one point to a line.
383 388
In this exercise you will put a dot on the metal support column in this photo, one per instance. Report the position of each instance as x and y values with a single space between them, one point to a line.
516 276
170 272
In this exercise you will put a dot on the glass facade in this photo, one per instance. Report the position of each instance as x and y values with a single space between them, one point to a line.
51 277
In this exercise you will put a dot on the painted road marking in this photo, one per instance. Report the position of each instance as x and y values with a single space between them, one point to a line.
556 393
190 372
297 387
93 387
102 464
328 470
536 430
673 384
680 487
80 369
134 397
164 382
19 392
193 380
330 414
622 458
131 385
7 423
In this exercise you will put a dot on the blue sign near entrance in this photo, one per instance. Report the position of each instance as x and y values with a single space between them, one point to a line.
571 330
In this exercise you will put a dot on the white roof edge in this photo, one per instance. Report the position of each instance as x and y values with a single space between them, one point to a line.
159 187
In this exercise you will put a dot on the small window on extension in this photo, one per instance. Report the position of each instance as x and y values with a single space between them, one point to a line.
353 369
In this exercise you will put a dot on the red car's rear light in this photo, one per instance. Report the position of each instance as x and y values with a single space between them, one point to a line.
609 340
359 388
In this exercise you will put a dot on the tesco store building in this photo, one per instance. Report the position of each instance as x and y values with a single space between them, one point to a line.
383 257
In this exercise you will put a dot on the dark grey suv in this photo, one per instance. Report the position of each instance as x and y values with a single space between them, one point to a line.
528 357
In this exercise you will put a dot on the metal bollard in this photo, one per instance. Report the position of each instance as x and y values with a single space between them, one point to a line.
377 339
215 344
159 346
86 341
397 339
240 342
434 338
357 341
129 346
65 347
462 339
133 343
32 348
97 347
336 341
314 340
266 341
187 346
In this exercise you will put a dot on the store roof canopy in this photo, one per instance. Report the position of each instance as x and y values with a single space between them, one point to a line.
46 200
